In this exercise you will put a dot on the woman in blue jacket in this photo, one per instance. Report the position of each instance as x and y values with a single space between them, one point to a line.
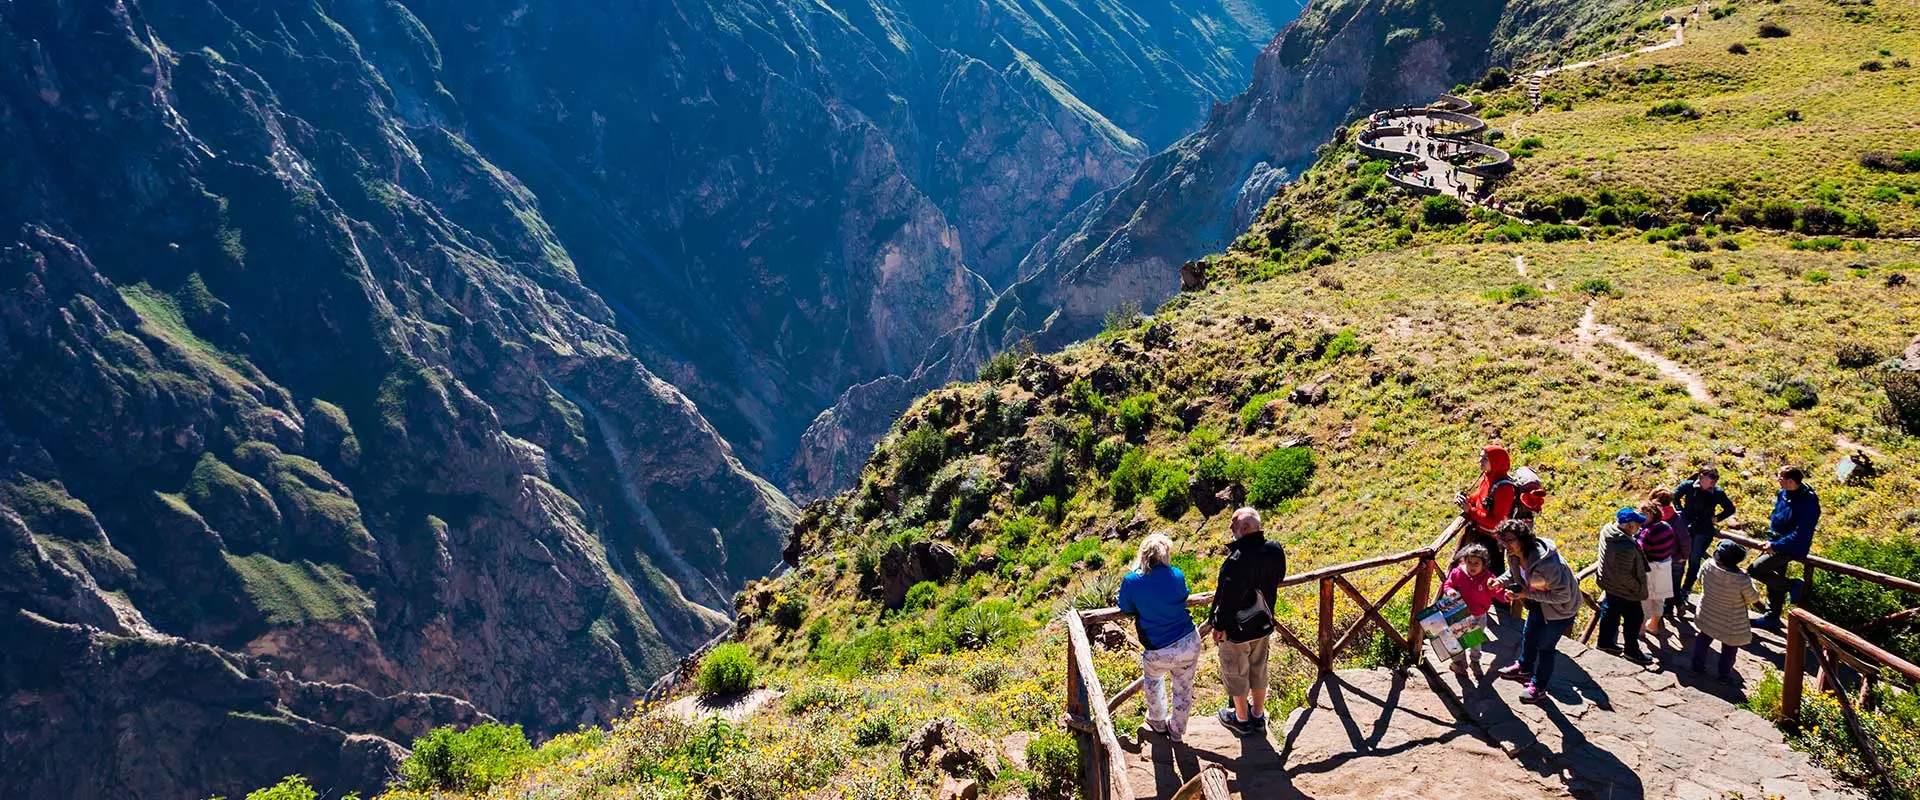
1155 593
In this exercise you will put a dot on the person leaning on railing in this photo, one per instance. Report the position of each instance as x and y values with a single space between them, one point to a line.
1796 512
1155 593
1703 505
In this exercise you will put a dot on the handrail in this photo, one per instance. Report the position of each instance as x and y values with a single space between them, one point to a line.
1831 642
1110 613
1836 567
1110 765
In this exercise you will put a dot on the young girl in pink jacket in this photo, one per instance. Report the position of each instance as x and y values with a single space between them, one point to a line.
1475 586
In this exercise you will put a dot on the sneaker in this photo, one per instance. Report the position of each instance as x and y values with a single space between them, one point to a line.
1769 623
1154 726
1258 723
1231 721
1459 667
1637 658
1533 695
1513 672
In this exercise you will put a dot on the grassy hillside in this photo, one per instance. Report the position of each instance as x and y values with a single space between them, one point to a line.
1354 351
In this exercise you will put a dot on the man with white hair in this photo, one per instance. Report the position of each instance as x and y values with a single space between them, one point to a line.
1242 619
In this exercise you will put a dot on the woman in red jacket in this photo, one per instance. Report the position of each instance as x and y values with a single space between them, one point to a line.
1490 504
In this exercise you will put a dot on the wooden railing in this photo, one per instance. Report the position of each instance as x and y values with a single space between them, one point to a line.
1837 652
1090 711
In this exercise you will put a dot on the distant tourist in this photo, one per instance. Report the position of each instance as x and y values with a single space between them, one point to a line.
1658 543
1541 579
1704 506
1796 512
1476 587
1242 619
1490 503
1155 593
1623 579
1725 595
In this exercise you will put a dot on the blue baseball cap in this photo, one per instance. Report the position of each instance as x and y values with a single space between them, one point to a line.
1627 515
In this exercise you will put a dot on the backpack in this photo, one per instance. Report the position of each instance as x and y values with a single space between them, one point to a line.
1529 493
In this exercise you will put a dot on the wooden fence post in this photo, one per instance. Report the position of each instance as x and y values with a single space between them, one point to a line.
1090 761
1794 675
1326 626
1422 594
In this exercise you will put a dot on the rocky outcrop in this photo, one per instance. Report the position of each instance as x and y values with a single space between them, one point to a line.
904 565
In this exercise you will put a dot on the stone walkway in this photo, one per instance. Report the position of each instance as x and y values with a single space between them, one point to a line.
1614 731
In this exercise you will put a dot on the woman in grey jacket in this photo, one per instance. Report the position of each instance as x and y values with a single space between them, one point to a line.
1537 575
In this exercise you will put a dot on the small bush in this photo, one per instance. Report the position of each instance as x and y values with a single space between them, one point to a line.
920 452
982 625
469 761
293 787
920 596
1737 49
1442 210
1109 453
1136 413
727 669
1798 393
1495 78
1903 400
1595 287
1130 478
1818 276
1169 491
1054 758
987 676
1871 66
1700 264
1674 108
1000 368
1559 233
825 695
789 612
1279 476
1774 30
875 728
1342 344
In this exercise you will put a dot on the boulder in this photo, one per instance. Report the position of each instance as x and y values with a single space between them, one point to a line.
952 788
952 749
1193 276
1308 394
1122 531
1910 359
904 565
1039 376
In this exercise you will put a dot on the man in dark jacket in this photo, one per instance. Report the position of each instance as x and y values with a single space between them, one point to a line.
1703 505
1242 620
1796 512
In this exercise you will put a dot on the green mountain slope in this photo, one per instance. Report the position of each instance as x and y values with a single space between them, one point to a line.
1354 349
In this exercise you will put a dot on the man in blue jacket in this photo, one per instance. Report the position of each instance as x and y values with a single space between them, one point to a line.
1796 512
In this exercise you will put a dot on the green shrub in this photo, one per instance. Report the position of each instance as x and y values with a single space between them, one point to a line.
1559 233
1054 758
1136 413
1130 479
1343 344
1706 201
293 787
727 669
987 676
921 596
1109 453
1798 393
1495 78
878 728
1679 109
920 452
1773 30
789 612
1122 319
825 695
1855 604
1220 467
1818 276
1077 551
1902 388
1169 490
1000 368
1892 726
1595 287
981 625
1442 210
469 761
1279 476
1250 410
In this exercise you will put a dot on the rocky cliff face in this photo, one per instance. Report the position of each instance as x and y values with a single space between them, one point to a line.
364 355
1340 59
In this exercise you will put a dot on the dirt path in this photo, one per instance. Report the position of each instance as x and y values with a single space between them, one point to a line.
1520 265
1591 330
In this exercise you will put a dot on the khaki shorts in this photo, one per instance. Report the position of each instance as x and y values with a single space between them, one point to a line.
1243 666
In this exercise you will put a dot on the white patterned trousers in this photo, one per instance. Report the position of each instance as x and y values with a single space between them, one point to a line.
1174 664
